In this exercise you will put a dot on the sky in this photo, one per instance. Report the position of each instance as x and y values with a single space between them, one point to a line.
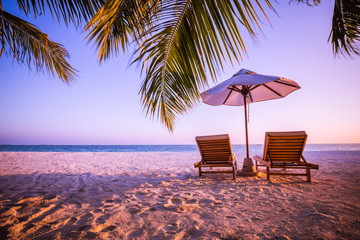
103 105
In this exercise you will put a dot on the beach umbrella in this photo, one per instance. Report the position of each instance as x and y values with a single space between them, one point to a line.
246 87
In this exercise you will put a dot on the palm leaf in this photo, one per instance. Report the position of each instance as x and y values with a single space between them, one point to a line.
345 30
181 43
71 11
27 44
116 23
345 33
189 40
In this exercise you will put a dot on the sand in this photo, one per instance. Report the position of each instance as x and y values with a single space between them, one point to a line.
160 196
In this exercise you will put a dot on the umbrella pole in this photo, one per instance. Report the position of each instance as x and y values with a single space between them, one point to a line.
246 128
248 168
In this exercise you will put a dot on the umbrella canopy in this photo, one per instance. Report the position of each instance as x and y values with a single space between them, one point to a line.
255 87
247 87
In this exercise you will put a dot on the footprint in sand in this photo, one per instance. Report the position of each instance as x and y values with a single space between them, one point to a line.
28 227
97 211
84 228
109 228
71 221
134 210
53 222
217 203
108 203
102 219
83 222
76 203
191 201
141 195
171 228
102 226
173 202
176 201
179 205
187 207
190 198
205 202
68 225
50 197
23 219
135 234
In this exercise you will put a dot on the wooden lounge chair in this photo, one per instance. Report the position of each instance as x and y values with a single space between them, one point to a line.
285 150
216 151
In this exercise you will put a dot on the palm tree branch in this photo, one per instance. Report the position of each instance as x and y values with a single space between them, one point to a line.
345 33
28 44
165 113
345 30
189 37
106 29
117 22
71 11
159 94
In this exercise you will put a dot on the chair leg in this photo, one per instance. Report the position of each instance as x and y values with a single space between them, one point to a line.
308 175
199 171
267 173
234 173
256 165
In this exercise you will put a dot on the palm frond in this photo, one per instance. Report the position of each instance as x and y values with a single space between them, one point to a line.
27 44
70 11
181 42
189 39
345 33
116 23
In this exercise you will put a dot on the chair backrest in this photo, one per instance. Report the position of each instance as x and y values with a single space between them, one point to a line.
284 146
214 148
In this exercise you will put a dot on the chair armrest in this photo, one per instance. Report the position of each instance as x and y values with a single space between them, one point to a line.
302 157
312 165
232 158
261 160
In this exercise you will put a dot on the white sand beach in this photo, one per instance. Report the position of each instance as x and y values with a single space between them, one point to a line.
160 196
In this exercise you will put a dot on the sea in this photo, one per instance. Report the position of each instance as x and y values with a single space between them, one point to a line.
254 148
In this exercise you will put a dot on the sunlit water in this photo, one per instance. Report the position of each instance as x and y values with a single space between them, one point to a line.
239 149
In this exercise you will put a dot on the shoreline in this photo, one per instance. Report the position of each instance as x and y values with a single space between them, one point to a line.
174 148
158 195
